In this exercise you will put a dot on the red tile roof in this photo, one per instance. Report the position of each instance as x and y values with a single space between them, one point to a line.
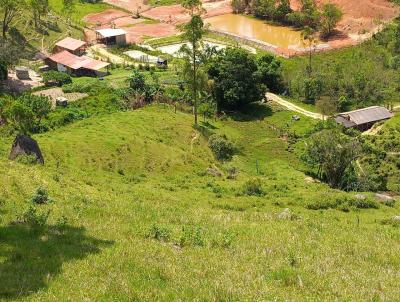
74 62
70 44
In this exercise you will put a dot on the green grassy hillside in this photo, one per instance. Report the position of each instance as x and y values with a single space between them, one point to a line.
134 217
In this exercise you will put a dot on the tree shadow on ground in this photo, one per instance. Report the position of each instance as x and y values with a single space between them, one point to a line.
31 256
253 112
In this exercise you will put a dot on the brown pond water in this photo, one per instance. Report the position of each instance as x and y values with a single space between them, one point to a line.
252 28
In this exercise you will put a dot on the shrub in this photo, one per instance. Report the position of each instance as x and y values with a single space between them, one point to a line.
191 236
159 233
224 240
222 148
33 217
56 78
343 204
253 187
41 196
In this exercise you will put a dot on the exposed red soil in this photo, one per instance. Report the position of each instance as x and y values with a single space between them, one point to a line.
360 15
138 32
175 14
130 5
106 17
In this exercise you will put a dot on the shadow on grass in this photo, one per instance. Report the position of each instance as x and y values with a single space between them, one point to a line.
253 112
30 257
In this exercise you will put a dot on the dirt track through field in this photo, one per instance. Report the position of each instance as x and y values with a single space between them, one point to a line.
293 107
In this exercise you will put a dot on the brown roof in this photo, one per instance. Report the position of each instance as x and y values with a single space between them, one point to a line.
364 116
74 62
70 44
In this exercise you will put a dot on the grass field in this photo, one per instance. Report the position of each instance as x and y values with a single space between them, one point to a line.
134 217
80 9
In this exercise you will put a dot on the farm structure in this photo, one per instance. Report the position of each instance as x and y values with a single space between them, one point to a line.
363 119
74 46
80 66
111 36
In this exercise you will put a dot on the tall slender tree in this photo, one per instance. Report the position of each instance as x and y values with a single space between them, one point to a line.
193 32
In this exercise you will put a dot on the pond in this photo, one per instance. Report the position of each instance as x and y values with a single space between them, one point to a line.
252 28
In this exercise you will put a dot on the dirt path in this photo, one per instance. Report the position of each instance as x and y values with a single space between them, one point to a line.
292 107
97 50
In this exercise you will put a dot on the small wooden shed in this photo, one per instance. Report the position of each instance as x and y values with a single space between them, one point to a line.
111 36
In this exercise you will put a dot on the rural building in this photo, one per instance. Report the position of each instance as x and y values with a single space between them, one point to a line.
363 119
111 36
80 66
74 46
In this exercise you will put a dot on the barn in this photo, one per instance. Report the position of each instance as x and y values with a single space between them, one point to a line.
111 36
80 66
74 46
363 119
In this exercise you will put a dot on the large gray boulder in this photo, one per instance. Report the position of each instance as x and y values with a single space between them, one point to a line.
25 145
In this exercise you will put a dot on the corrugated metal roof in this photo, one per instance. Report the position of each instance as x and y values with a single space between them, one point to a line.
111 32
70 44
74 62
345 122
367 115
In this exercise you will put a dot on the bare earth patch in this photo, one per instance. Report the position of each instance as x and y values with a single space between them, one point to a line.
360 15
54 93
130 5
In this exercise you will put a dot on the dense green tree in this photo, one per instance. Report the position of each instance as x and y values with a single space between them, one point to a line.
263 8
269 69
26 112
333 154
330 16
282 10
237 80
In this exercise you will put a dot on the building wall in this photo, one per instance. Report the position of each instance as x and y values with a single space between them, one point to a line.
121 40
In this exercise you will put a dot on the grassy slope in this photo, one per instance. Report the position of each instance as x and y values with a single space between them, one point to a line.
104 253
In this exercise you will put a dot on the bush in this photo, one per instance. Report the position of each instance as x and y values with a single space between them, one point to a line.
41 196
56 78
222 148
159 233
253 187
90 86
191 236
344 204
33 217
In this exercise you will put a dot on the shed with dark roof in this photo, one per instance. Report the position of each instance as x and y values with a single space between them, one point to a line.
363 119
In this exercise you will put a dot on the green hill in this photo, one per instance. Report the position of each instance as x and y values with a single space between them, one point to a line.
135 217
